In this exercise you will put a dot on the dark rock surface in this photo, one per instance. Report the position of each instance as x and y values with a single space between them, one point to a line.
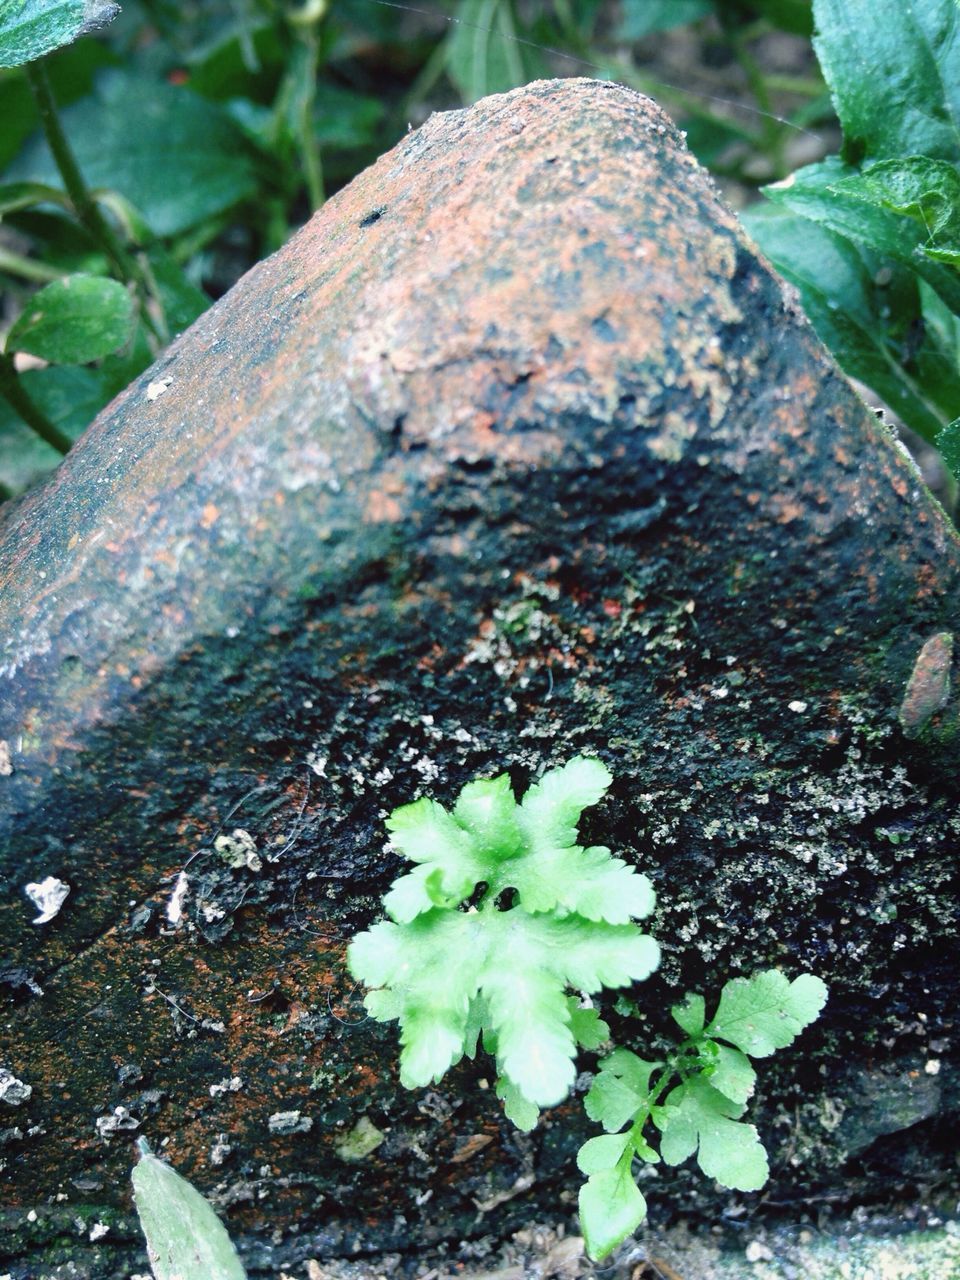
516 451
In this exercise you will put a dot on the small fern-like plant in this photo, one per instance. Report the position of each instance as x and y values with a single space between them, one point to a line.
500 935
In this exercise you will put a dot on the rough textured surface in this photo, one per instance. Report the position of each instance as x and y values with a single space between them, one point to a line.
516 451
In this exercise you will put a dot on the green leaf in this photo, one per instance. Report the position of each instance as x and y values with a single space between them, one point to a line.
23 195
589 1029
730 1071
185 1238
866 310
30 29
182 301
611 1208
767 1012
184 162
503 970
516 1108
690 1015
894 73
620 1088
948 442
551 809
928 191
641 17
589 881
603 1152
696 1117
485 53
71 398
817 192
74 320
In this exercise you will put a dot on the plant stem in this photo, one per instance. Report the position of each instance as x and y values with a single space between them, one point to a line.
12 390
15 264
84 205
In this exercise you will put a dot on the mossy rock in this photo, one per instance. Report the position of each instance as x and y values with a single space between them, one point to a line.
518 450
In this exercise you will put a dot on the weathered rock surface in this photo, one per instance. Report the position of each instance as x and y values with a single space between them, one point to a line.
516 451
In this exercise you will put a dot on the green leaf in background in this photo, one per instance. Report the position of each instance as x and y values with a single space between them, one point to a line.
185 1238
24 195
928 191
71 398
795 16
176 157
74 321
482 51
948 442
870 327
30 29
893 68
611 1208
641 17
696 1117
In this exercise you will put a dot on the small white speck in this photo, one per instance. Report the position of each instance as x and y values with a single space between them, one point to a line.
156 389
932 1066
758 1252
797 706
48 896
98 1230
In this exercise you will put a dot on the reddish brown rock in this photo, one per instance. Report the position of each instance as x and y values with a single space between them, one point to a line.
516 451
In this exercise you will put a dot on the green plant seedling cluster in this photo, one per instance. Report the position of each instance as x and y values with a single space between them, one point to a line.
696 1100
503 915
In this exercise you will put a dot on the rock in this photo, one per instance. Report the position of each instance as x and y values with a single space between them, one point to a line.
517 450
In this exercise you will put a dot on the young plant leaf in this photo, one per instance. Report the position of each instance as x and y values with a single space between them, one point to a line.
620 1088
928 191
516 1108
602 1152
503 971
689 1016
696 1117
30 29
767 1012
74 321
730 1071
948 442
185 1238
611 1208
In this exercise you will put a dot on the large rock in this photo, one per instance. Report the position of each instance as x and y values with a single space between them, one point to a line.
517 450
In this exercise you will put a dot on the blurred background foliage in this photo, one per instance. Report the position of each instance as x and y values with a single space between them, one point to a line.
207 131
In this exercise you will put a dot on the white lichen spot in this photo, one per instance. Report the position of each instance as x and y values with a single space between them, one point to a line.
158 387
6 764
797 706
285 1122
98 1230
317 763
119 1118
13 1091
48 896
239 849
177 898
220 1149
932 1066
232 1085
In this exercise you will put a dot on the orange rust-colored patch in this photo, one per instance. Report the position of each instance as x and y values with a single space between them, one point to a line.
928 687
209 515
381 508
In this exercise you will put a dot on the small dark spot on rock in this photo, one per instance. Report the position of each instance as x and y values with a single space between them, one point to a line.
373 216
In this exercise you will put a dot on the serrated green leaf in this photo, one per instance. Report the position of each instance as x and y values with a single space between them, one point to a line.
928 191
589 881
731 1073
502 972
589 1029
74 320
865 309
948 442
690 1014
603 1152
894 73
516 1108
185 1238
620 1088
30 29
696 1117
767 1012
551 809
611 1208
